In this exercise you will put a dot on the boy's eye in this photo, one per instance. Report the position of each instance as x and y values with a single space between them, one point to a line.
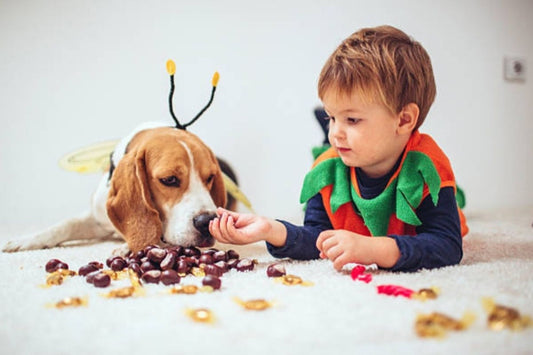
353 120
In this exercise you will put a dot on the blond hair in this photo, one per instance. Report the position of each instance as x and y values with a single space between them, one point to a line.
384 65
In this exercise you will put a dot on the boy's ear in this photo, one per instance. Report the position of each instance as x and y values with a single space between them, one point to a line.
408 118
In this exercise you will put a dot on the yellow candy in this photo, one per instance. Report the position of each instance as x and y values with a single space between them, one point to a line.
437 324
426 294
71 302
123 292
500 317
201 315
184 289
57 277
254 305
54 279
291 280
198 272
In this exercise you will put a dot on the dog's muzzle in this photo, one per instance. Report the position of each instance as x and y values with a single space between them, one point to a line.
201 223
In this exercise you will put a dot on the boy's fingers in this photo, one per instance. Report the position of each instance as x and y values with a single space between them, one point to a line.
214 229
339 262
333 253
322 237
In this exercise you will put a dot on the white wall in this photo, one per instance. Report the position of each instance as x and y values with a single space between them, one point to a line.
76 72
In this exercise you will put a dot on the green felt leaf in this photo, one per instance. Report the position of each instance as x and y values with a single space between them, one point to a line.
328 172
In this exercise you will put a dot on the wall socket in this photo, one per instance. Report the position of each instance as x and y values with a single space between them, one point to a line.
514 68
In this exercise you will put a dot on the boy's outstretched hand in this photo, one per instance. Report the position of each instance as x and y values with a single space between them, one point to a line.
244 228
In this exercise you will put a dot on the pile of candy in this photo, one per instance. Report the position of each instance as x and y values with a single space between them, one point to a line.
154 265
168 266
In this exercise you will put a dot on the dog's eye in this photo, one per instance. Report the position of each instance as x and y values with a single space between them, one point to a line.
210 178
170 181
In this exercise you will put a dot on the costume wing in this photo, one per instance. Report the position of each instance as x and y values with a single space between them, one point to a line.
90 159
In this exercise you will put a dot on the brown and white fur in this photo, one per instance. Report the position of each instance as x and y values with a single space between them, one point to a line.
163 187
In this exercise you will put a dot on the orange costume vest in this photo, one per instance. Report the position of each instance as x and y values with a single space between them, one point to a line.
423 171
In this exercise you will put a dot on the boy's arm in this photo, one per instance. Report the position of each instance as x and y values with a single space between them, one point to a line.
301 240
438 241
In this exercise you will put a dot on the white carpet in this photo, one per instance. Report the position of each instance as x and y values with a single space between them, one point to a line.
336 315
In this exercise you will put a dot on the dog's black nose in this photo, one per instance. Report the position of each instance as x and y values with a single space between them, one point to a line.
201 222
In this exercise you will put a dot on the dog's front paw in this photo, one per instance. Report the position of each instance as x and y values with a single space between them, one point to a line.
23 244
123 250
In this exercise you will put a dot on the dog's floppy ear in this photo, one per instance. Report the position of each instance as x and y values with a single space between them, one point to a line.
129 204
218 190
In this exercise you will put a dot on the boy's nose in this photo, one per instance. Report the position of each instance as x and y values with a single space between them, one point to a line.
335 132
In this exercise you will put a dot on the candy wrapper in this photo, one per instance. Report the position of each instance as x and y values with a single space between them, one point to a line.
200 315
437 325
292 280
500 317
69 302
358 274
255 304
57 277
189 289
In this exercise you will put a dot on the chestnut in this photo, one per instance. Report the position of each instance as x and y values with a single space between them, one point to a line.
101 280
152 276
275 270
213 281
245 265
156 255
87 269
169 277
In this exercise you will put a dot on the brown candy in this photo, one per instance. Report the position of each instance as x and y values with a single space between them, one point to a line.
169 261
169 277
118 264
275 270
213 270
213 281
205 259
245 265
87 269
54 265
152 276
182 267
156 255
232 254
101 280
220 256
51 265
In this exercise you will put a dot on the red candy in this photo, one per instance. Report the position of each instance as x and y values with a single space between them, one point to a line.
358 273
395 290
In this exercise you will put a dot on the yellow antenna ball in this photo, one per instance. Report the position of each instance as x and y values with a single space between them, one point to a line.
171 67
216 76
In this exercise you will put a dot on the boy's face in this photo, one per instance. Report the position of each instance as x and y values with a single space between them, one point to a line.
364 135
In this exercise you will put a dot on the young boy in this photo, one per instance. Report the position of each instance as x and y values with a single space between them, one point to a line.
383 193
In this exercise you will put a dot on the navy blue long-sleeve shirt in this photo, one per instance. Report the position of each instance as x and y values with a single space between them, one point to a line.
438 241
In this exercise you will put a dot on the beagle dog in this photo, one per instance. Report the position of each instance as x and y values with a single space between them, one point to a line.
163 187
